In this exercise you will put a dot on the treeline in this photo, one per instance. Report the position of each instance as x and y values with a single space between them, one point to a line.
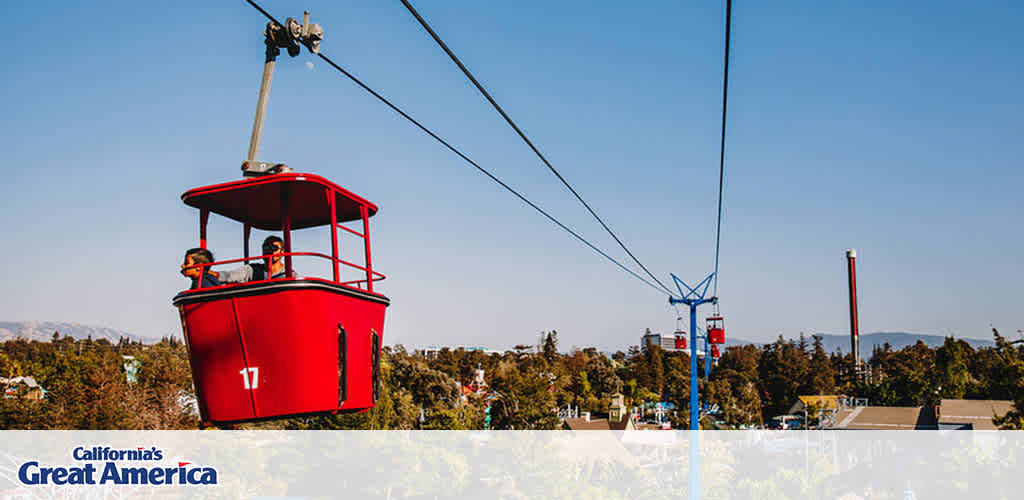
87 386
770 378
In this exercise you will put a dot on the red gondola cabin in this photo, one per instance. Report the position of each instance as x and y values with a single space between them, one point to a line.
291 345
716 330
680 339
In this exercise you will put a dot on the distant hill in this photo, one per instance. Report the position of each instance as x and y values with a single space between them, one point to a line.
898 340
43 331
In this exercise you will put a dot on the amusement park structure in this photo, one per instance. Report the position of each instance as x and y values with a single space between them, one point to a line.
276 346
851 268
254 330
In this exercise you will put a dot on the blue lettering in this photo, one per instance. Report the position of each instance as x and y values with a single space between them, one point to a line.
30 473
134 475
209 476
24 476
82 475
110 474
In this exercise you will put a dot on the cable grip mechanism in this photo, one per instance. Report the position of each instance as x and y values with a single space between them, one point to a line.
292 36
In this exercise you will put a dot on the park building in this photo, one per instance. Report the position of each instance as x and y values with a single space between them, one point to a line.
675 342
619 418
842 412
23 387
431 351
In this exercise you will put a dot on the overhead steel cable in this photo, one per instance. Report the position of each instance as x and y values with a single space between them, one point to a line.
455 150
721 151
525 139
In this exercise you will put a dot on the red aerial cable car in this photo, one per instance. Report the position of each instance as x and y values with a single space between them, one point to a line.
715 353
292 345
716 330
680 339
287 345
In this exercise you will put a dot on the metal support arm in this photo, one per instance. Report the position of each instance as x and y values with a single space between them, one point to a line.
291 37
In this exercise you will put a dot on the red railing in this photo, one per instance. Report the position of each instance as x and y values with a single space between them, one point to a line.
361 283
332 192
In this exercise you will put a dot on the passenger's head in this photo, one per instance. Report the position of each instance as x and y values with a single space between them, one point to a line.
272 246
195 256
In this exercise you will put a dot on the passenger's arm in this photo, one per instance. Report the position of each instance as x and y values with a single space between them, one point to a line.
240 275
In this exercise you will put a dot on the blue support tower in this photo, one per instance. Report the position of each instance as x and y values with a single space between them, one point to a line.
694 297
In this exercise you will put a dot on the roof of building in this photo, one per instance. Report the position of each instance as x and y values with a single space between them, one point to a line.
29 381
621 425
821 402
643 426
886 417
598 424
587 424
976 413
812 403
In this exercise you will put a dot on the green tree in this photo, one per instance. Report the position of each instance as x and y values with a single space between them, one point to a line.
822 374
784 369
550 349
733 386
953 370
526 399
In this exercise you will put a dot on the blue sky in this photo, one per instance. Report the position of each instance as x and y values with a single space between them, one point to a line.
891 128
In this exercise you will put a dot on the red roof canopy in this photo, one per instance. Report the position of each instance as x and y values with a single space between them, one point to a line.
258 201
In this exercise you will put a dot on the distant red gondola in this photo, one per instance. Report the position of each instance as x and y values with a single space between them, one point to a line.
680 339
716 330
293 345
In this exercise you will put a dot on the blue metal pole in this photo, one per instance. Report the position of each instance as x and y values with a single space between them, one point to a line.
694 298
694 410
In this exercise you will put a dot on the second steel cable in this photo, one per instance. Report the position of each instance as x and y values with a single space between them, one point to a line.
525 139
455 150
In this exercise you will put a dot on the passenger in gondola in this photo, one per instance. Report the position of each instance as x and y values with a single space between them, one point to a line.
272 266
194 257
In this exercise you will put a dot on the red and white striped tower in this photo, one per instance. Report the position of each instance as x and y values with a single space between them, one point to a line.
851 257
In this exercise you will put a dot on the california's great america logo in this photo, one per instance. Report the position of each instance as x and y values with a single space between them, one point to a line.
105 465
